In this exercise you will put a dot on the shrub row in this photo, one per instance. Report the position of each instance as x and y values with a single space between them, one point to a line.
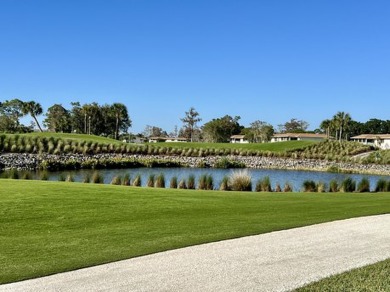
329 150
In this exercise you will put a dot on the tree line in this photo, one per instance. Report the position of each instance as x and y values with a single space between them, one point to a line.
113 120
91 118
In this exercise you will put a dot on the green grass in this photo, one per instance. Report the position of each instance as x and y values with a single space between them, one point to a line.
372 278
273 147
50 227
70 136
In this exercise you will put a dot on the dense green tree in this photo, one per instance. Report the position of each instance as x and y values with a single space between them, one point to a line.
294 126
34 109
190 122
219 130
58 119
122 120
154 131
10 113
259 131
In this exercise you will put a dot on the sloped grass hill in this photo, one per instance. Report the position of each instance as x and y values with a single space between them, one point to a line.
56 143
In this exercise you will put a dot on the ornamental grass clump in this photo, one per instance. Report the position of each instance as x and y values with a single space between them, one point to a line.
137 181
126 180
150 182
160 181
191 182
116 180
287 188
321 187
364 185
44 175
333 186
263 185
206 182
173 183
241 181
309 186
278 189
225 184
87 178
69 178
348 185
97 178
182 184
381 185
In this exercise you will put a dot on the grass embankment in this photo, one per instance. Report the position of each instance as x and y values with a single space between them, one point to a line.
71 136
372 278
49 227
272 147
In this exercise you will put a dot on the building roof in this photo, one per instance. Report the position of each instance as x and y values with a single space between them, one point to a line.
168 138
300 135
237 137
372 136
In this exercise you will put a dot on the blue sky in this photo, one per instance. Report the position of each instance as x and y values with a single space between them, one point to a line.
261 60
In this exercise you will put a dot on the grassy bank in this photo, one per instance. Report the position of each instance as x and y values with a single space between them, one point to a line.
49 227
372 278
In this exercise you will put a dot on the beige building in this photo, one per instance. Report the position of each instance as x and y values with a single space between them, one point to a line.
381 141
166 139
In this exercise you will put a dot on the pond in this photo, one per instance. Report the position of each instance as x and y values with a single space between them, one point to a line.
294 178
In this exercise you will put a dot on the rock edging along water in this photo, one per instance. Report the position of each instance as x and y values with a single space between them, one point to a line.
77 161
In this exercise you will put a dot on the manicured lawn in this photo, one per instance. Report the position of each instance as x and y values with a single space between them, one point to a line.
372 278
49 227
71 136
273 147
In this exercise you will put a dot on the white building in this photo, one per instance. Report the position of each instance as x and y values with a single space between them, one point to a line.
298 137
238 139
166 139
381 141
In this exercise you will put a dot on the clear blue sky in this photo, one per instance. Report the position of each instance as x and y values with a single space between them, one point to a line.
262 60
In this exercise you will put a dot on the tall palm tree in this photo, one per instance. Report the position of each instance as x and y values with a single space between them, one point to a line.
341 120
34 109
121 117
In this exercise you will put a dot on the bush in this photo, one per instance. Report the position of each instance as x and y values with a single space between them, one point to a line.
241 181
173 183
309 186
224 186
62 177
226 163
137 181
364 186
160 181
348 185
263 185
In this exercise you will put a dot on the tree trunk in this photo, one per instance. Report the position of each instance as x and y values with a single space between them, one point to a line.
117 127
36 121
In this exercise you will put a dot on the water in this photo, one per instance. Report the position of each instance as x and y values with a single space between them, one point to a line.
294 178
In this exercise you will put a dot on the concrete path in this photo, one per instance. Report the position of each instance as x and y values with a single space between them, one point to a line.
277 261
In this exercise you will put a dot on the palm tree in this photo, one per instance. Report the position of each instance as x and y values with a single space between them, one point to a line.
34 109
341 121
121 117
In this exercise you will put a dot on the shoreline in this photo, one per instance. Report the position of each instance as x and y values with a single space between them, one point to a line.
22 161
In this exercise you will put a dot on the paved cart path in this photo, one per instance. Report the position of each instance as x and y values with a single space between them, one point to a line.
276 261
